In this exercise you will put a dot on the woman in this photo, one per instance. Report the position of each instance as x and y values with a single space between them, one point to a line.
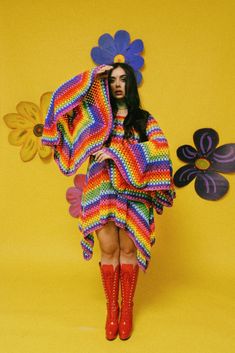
128 175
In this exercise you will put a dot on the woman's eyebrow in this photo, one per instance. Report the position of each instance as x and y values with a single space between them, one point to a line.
122 76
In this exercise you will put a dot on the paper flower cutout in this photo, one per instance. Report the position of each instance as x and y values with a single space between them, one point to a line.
119 49
204 163
74 195
27 127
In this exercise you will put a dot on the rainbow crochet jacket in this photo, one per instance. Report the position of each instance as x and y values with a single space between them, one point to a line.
144 166
79 123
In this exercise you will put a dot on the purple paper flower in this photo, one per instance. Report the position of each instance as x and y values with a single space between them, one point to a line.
119 49
74 195
204 163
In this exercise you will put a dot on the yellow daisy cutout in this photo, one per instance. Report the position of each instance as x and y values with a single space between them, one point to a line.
27 128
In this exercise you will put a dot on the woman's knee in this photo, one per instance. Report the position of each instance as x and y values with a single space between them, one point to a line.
108 240
127 246
110 249
128 251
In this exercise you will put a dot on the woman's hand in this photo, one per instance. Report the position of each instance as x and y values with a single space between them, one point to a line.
100 156
103 71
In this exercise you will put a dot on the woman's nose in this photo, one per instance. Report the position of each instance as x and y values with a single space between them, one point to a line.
117 83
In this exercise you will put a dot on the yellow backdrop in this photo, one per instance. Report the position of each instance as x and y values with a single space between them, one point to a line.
51 300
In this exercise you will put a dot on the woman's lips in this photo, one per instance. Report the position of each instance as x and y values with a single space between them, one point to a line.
118 92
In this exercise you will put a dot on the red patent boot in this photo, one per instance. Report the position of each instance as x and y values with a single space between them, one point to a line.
129 275
110 278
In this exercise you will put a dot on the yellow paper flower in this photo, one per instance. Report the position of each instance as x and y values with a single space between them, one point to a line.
27 128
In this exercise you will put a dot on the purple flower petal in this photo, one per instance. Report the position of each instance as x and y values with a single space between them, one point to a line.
187 153
223 159
206 141
185 175
135 61
122 41
211 185
100 56
136 47
138 76
106 43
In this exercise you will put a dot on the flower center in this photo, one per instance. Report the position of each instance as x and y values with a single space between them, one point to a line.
38 129
119 58
202 163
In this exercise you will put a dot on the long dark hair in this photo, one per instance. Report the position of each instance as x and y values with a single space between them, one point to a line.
136 117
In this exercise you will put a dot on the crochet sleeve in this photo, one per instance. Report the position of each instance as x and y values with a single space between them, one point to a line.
144 166
76 137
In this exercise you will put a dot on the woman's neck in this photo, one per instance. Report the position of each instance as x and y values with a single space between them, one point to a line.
121 105
122 113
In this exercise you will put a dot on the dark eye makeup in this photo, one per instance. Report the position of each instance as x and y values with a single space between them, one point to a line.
112 78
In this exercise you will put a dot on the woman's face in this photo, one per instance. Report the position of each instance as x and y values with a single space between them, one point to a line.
117 83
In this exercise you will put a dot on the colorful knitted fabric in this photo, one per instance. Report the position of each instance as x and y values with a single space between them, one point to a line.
109 194
127 187
76 136
140 167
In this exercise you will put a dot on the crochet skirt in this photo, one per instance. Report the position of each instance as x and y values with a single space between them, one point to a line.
101 203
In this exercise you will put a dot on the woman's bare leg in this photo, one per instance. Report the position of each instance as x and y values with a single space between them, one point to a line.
127 248
109 244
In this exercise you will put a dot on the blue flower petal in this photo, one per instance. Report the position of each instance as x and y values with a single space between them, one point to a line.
122 41
101 56
206 141
106 43
136 47
223 159
138 76
211 186
109 47
187 153
185 175
135 61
